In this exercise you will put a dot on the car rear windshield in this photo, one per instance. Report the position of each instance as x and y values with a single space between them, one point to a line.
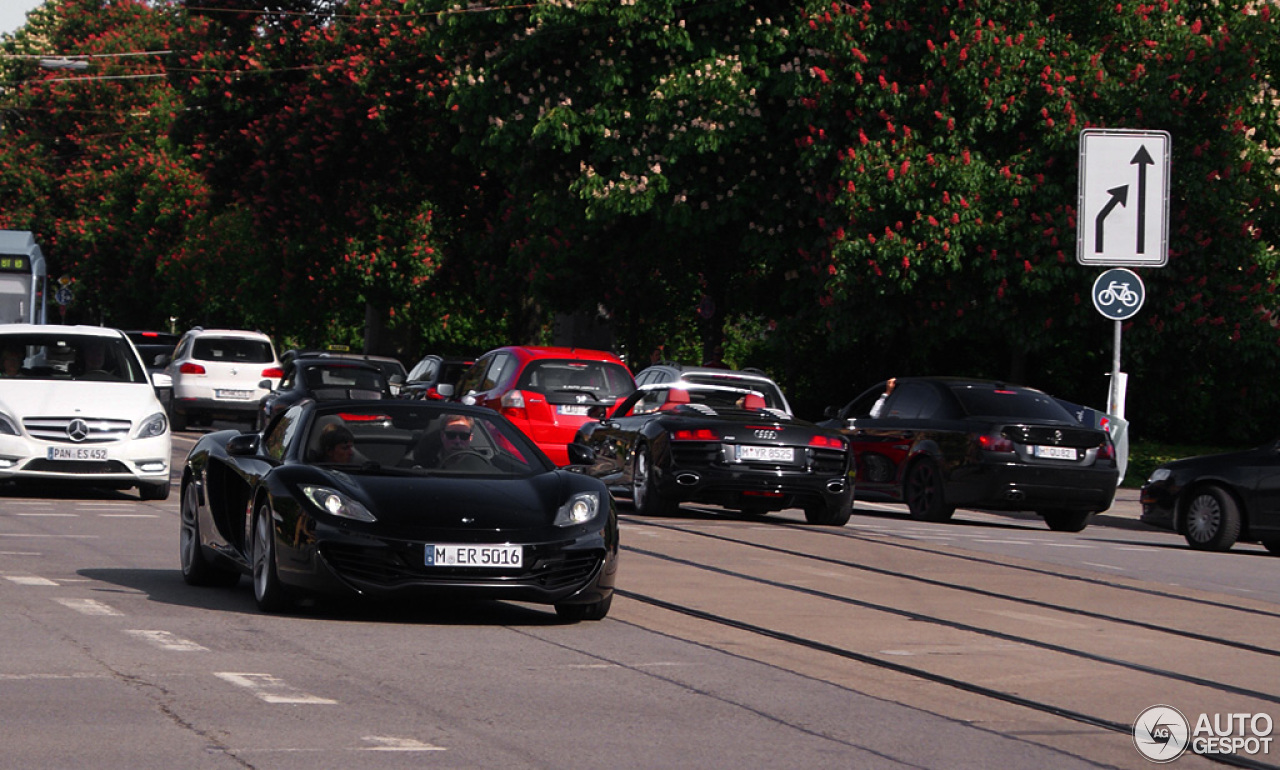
605 380
232 350
1010 403
772 396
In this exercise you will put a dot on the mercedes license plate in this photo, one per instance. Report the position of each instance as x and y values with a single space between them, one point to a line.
76 453
239 395
772 454
1056 452
474 555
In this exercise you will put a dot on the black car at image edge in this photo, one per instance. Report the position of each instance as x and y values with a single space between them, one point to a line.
1216 500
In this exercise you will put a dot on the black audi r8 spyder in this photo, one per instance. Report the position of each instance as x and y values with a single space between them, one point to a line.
395 498
672 443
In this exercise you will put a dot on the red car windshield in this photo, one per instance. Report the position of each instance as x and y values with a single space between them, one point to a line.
604 380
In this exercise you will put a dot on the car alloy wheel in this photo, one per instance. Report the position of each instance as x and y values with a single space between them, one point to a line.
267 590
924 493
646 498
1212 520
196 569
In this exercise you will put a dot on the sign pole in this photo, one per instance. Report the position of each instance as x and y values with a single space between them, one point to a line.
1115 404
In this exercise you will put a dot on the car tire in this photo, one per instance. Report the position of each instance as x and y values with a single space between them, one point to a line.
1066 521
196 569
645 496
572 613
268 592
828 514
178 420
1211 521
924 493
153 491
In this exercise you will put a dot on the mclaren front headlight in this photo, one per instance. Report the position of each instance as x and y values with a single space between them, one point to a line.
582 508
1159 474
334 503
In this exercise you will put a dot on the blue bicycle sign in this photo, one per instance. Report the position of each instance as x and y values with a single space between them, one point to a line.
1118 294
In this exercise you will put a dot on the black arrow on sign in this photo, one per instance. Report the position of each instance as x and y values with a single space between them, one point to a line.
1119 197
1142 160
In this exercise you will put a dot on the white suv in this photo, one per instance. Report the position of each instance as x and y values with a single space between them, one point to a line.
77 404
221 374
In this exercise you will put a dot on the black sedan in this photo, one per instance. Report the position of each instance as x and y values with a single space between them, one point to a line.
671 443
395 498
322 379
938 443
1216 500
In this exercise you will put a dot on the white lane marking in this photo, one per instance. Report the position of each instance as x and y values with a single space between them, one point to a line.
167 641
391 743
21 553
1102 566
29 580
48 515
1032 618
68 537
1006 542
1067 545
271 689
89 606
127 516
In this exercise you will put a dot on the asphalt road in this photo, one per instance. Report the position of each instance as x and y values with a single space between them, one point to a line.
736 642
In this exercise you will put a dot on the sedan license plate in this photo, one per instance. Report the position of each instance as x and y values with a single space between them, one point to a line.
573 411
773 454
1056 452
238 395
76 453
497 556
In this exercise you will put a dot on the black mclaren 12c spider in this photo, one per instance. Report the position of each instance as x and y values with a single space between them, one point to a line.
396 498
672 443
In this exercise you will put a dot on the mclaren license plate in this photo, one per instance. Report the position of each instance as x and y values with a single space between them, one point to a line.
76 453
770 454
495 556
1056 452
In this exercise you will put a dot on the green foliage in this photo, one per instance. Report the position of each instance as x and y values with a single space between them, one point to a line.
834 192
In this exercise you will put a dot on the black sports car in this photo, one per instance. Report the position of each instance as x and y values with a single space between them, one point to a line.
1216 500
391 498
937 443
322 379
671 443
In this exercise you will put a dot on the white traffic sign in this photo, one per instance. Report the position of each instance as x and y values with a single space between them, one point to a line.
1118 294
1123 212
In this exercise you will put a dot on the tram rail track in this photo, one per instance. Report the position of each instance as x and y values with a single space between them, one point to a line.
737 621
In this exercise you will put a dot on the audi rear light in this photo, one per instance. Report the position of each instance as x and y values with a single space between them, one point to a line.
994 442
190 368
273 372
826 442
695 434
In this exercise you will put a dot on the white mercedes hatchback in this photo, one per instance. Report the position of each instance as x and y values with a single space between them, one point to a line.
76 404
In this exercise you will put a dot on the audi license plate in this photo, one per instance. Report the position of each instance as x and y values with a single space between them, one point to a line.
474 556
1056 452
772 454
76 453
573 411
238 395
